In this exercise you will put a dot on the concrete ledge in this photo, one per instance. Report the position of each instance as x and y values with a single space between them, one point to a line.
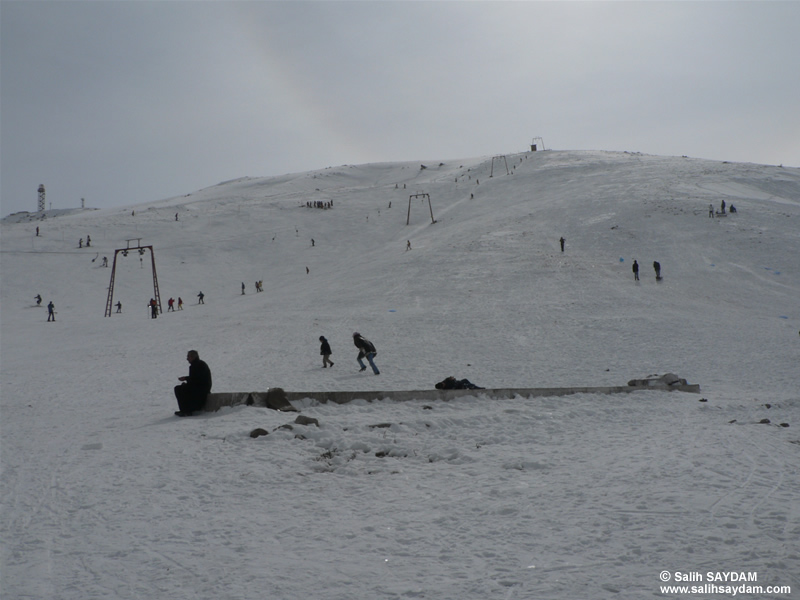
277 399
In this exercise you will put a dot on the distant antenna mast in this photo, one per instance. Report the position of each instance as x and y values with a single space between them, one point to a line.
41 198
423 196
141 250
535 142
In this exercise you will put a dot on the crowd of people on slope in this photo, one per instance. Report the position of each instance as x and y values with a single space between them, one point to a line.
656 268
319 204
366 349
635 266
721 212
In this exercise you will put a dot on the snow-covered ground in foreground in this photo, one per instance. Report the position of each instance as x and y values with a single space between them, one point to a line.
105 494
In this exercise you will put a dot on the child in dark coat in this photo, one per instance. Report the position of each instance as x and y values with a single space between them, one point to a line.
325 351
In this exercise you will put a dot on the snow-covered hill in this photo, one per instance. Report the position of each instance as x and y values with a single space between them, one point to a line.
587 496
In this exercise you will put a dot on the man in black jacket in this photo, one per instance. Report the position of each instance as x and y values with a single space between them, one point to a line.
365 348
191 394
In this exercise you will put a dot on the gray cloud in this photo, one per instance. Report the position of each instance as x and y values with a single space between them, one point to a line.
128 102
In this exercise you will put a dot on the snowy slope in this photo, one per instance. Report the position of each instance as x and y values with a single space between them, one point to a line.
106 495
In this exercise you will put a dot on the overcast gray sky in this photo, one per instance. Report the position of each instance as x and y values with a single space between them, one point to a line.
134 101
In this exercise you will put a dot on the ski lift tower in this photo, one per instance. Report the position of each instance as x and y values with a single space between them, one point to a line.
423 196
124 251
498 159
535 144
41 197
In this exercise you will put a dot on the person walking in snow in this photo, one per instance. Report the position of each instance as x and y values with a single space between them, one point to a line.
201 295
635 269
243 288
180 303
657 268
561 241
153 308
325 351
365 349
710 211
51 311
38 298
194 389
119 306
171 305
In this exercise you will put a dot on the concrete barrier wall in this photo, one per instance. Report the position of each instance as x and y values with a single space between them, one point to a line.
280 400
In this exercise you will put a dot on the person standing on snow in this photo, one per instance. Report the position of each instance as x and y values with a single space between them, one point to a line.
194 389
325 351
366 348
635 269
201 295
657 268
51 311
561 241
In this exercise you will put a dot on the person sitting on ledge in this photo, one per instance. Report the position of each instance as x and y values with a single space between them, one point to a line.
194 390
